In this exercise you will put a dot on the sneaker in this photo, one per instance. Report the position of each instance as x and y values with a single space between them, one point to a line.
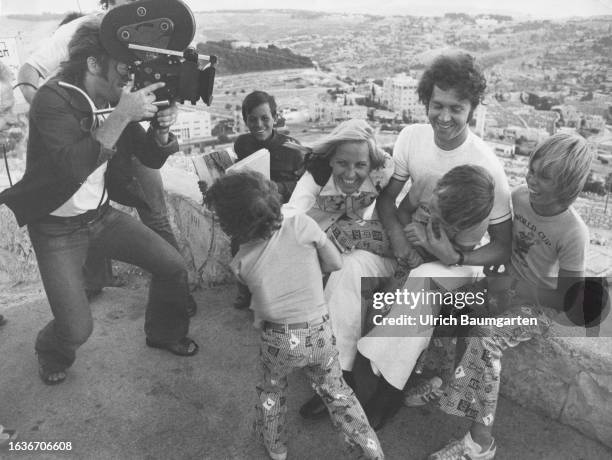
464 449
278 453
423 393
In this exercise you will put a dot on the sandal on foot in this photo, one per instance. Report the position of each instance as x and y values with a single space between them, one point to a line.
184 347
51 376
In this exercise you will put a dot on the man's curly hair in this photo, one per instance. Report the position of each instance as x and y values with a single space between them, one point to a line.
247 205
457 71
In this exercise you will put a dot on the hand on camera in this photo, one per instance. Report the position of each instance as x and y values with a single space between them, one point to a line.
166 117
138 105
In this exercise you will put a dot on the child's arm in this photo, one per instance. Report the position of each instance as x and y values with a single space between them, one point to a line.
329 257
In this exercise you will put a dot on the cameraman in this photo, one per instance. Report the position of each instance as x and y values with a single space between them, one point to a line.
43 63
71 172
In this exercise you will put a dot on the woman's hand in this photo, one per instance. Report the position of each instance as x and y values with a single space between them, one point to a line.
415 233
406 255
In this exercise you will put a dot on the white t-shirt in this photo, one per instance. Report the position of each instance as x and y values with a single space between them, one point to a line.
46 60
53 50
283 273
89 196
542 245
416 156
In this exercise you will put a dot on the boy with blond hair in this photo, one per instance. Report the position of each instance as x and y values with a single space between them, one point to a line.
549 248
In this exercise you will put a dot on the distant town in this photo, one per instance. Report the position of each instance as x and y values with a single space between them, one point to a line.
543 76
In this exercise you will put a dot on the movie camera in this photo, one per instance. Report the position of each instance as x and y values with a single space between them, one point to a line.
152 37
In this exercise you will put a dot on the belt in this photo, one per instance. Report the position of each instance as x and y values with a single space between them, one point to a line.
304 325
83 219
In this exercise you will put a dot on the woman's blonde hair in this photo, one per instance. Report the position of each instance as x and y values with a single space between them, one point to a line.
350 131
568 159
317 163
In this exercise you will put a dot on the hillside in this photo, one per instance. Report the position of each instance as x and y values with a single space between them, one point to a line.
247 59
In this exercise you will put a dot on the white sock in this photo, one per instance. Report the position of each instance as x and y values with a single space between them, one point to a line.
474 445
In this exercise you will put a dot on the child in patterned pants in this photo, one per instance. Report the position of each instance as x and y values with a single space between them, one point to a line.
549 246
281 260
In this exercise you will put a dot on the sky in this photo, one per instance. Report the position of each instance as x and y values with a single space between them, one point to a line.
533 8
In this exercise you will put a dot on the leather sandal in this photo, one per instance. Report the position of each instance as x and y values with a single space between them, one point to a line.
50 375
183 347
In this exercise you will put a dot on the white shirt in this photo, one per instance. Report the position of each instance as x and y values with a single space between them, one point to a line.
52 51
417 156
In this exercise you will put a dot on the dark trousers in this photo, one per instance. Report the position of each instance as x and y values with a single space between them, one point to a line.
61 249
98 270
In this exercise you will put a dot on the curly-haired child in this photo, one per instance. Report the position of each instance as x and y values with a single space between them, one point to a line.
281 260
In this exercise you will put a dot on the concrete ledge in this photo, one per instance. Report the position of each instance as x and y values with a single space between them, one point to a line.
568 379
202 243
17 259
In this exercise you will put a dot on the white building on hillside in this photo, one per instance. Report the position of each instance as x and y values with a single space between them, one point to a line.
325 111
400 93
192 123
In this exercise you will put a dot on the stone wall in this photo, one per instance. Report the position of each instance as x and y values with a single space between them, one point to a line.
568 379
17 260
202 243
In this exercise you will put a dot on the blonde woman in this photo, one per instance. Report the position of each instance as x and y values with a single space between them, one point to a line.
345 172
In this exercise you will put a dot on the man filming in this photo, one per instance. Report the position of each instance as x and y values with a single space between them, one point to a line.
42 64
74 165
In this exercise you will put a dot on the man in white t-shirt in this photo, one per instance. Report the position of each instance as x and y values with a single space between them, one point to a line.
451 89
42 64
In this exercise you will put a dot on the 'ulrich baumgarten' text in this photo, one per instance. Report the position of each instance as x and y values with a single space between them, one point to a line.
460 320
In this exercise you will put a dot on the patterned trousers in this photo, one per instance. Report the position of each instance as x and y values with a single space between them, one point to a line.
312 349
473 390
